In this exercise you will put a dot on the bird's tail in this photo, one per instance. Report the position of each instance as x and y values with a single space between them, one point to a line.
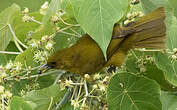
150 31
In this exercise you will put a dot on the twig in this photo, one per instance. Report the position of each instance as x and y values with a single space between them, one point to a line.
3 27
86 89
134 54
14 36
75 32
50 105
80 89
66 22
9 78
64 99
77 84
149 50
7 52
67 33
2 99
58 77
39 75
32 19
86 93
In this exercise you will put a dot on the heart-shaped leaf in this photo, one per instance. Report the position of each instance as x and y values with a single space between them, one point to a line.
97 18
130 92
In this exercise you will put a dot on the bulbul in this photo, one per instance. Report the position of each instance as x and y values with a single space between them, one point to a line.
86 57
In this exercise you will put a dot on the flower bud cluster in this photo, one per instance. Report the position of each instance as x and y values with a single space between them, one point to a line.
44 8
5 95
134 2
174 54
42 48
141 65
57 16
132 16
26 17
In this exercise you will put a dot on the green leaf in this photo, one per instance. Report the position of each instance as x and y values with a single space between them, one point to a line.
5 58
150 5
151 72
173 4
53 8
46 97
171 33
67 106
26 58
6 17
97 18
169 100
170 68
18 103
22 28
129 92
156 74
33 5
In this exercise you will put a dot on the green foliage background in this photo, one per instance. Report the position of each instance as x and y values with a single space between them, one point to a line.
128 89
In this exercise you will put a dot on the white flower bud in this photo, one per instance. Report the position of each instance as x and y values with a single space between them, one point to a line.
95 86
174 57
175 50
87 76
25 11
1 89
26 18
9 65
55 18
96 76
45 5
75 103
49 46
7 94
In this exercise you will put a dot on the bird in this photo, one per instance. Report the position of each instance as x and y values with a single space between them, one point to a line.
86 57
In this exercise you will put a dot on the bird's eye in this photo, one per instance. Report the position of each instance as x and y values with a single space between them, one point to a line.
53 63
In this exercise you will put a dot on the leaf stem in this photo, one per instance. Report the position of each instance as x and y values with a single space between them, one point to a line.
38 22
50 105
14 37
3 27
7 52
58 77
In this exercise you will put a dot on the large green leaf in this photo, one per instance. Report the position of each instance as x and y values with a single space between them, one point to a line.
169 67
45 98
18 103
169 100
6 17
97 18
129 92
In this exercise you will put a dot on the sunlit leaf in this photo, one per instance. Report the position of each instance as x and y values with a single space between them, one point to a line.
97 18
46 97
18 103
6 17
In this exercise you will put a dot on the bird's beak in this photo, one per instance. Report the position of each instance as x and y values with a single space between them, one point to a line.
44 68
